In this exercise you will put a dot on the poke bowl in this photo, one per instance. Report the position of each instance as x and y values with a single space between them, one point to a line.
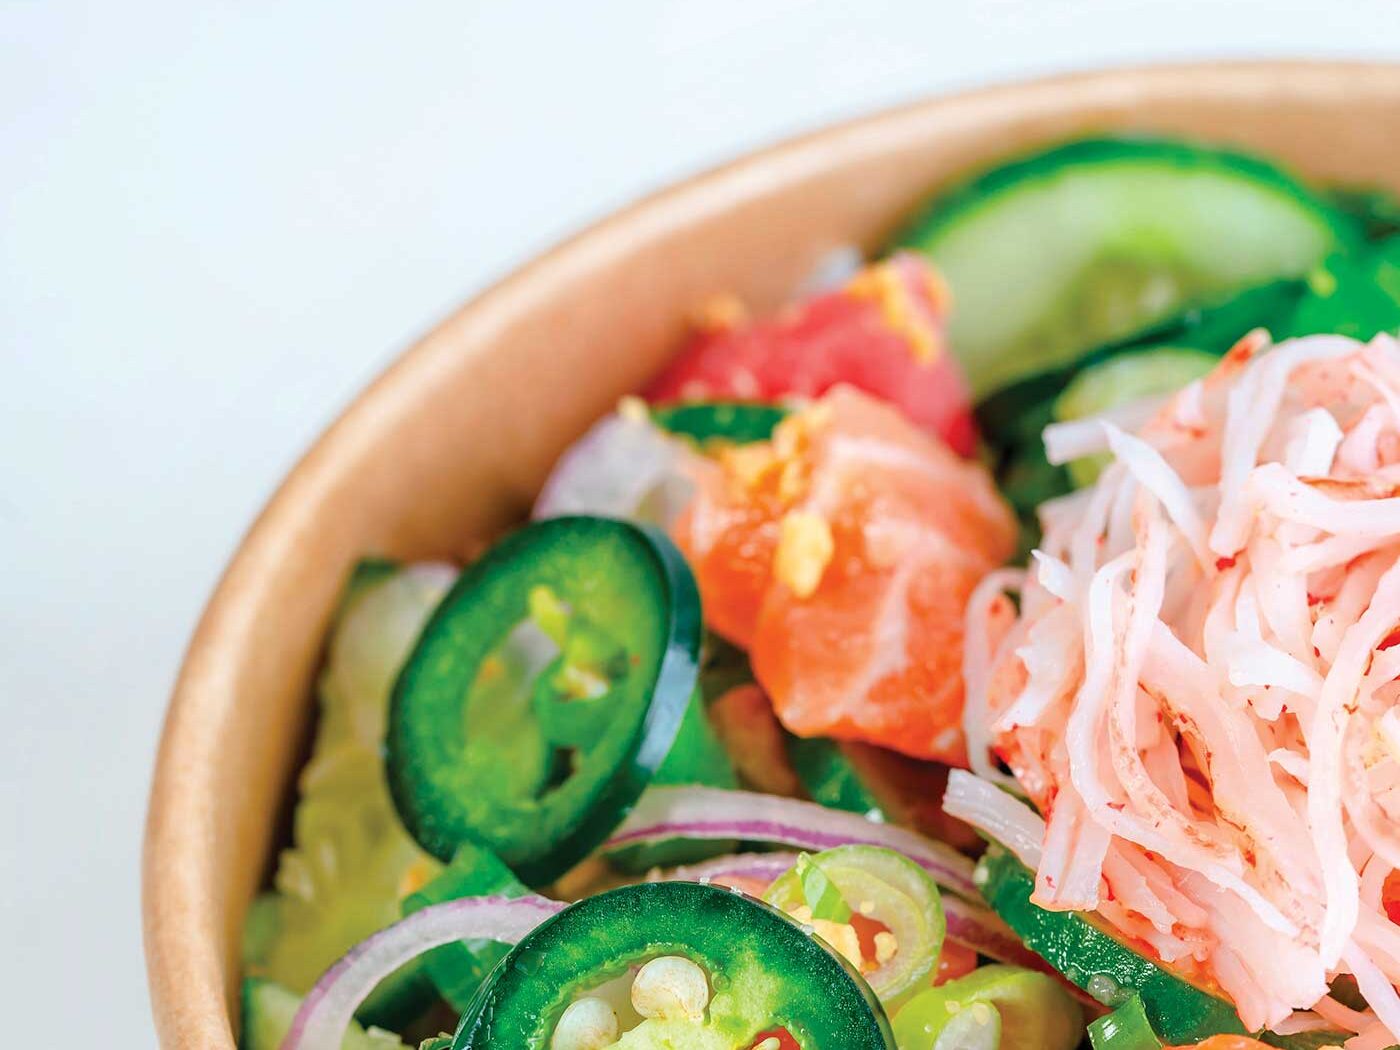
957 237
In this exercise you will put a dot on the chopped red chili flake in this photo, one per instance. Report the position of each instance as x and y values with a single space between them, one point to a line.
784 1037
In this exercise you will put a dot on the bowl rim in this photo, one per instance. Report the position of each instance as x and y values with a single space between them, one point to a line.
185 967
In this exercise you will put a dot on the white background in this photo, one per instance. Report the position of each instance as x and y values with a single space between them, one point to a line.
218 220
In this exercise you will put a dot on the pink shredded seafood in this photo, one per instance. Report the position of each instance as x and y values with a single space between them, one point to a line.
1200 693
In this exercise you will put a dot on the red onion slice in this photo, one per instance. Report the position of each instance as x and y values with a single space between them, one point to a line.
982 930
327 1010
760 867
714 813
624 466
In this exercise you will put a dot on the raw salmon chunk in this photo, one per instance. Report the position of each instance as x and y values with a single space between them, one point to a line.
841 555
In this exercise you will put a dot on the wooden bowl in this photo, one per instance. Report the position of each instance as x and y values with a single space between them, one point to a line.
451 442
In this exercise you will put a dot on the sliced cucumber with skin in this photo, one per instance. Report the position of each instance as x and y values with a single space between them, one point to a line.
1014 416
268 1010
1052 254
1012 419
1095 960
1120 381
1091 957
351 861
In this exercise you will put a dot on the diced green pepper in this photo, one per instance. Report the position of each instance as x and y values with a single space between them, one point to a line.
759 972
631 599
1127 1028
457 970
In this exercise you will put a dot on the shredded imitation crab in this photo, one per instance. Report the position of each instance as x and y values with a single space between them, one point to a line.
1200 690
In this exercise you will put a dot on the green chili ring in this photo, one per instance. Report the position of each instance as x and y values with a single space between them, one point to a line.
629 578
765 970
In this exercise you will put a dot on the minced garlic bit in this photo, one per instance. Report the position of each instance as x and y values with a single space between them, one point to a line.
840 935
720 312
748 464
805 547
887 288
792 481
982 1013
633 409
416 876
886 945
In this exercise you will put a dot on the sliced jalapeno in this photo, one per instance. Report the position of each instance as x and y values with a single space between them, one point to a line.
624 616
876 907
731 422
670 965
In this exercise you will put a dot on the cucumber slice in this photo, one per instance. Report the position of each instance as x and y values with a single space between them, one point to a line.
1095 960
268 1011
1012 419
1015 415
1128 378
1070 248
351 861
1122 380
